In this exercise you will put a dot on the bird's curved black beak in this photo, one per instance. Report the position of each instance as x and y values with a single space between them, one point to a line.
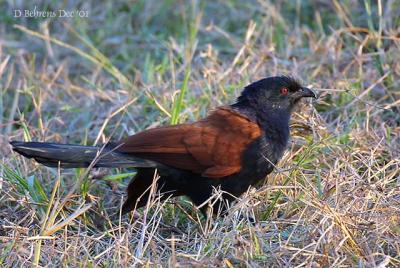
304 92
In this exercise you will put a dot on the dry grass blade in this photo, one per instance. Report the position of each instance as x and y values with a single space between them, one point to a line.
98 59
119 110
54 228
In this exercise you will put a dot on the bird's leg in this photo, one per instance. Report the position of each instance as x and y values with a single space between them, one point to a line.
139 189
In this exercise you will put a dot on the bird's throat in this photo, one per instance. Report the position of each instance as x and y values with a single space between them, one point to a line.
275 123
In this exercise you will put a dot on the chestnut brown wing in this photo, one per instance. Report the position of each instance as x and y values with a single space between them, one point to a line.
212 146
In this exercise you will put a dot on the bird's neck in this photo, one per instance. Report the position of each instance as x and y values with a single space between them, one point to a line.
275 123
273 120
245 108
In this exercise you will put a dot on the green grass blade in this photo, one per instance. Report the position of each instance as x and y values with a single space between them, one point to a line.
178 103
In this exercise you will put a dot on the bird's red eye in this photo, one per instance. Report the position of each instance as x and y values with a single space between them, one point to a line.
284 91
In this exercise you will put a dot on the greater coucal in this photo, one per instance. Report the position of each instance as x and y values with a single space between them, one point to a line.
233 148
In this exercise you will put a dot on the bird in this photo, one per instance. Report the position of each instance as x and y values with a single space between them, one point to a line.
233 148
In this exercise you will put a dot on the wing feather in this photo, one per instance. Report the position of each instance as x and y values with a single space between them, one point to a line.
212 146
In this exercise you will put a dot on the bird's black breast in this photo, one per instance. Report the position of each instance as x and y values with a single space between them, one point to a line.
258 160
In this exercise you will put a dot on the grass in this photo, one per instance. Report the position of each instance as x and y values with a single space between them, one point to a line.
333 200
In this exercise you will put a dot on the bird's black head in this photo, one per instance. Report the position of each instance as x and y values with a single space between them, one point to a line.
274 93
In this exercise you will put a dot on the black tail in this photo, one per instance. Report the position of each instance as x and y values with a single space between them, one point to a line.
75 156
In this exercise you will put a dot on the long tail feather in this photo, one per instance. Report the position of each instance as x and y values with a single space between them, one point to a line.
74 156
